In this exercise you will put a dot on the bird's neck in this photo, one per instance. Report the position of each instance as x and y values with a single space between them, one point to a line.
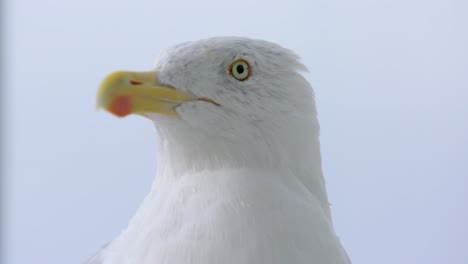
268 147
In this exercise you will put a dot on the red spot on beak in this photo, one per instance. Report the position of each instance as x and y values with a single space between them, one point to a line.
121 105
135 82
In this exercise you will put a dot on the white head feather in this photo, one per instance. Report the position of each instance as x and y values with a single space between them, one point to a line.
267 121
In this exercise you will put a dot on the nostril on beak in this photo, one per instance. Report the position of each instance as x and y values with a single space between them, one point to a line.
135 82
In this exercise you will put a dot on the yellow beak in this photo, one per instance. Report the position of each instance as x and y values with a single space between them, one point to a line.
124 93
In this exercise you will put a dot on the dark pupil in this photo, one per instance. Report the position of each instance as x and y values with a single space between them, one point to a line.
240 69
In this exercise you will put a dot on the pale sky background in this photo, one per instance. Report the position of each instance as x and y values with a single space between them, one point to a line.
391 79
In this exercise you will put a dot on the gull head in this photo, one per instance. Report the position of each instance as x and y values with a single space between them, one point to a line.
219 90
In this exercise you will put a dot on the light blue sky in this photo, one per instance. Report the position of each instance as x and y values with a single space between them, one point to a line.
391 79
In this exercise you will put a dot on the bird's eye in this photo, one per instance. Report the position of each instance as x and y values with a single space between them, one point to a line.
240 69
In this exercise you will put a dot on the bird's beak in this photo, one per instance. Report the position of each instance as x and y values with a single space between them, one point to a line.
123 93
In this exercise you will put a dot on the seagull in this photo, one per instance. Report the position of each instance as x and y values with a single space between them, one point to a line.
239 176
